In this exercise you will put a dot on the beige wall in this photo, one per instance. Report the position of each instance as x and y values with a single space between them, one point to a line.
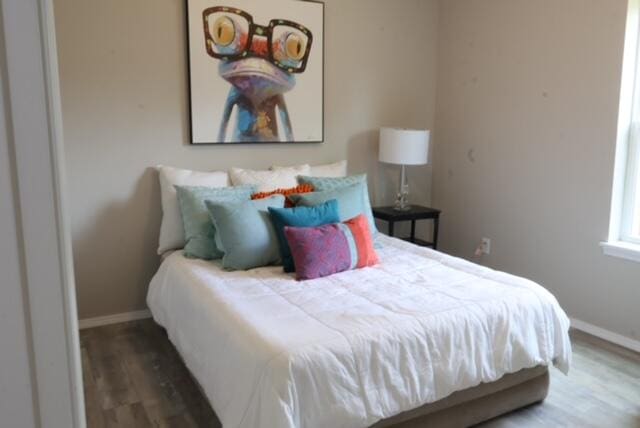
526 128
124 89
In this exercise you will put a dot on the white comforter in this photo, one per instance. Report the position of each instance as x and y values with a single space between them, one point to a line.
356 347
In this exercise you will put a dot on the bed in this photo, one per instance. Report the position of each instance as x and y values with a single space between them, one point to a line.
421 334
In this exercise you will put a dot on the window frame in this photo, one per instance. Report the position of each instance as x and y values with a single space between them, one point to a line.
631 204
626 179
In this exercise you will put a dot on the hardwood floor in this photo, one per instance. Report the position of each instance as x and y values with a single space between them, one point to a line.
134 378
602 390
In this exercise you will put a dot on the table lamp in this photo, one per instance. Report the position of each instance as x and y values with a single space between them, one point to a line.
403 147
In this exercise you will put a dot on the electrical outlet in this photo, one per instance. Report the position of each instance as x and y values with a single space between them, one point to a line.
486 246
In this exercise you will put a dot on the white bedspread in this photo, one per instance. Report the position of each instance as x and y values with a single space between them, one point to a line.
356 347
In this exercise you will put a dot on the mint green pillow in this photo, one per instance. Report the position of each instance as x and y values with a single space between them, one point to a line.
198 229
350 200
245 233
322 184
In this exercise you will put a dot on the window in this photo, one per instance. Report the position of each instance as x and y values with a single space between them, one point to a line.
635 214
630 221
624 230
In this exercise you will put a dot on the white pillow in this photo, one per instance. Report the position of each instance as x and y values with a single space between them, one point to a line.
171 229
337 169
266 181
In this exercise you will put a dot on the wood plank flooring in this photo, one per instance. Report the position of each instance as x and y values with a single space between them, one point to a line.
133 377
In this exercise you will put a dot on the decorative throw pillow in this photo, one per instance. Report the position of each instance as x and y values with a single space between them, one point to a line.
321 184
245 233
337 169
332 248
266 181
198 228
300 217
350 199
300 189
171 229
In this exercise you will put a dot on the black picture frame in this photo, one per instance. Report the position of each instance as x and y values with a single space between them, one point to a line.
232 143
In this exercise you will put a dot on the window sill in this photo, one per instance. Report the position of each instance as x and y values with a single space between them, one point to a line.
624 250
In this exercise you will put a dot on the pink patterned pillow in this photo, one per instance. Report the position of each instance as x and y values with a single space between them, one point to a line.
332 248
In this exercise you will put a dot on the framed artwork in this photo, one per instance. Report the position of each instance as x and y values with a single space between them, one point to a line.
256 71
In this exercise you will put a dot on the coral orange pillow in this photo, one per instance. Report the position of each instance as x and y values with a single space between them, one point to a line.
303 188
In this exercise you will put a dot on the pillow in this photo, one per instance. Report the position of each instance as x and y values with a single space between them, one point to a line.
198 228
337 169
302 188
321 184
332 248
245 233
300 217
171 230
267 181
350 199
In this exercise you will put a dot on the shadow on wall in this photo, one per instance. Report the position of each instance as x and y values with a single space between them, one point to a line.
384 179
121 240
365 143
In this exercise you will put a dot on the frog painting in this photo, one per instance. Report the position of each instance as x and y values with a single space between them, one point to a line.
259 65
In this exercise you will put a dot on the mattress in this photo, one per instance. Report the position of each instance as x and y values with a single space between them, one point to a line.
357 347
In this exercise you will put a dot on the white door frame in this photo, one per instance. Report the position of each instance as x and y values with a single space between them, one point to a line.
40 272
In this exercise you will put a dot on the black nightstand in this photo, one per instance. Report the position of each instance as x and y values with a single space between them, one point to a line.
416 212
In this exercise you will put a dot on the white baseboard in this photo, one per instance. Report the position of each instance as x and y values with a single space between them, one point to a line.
114 319
607 335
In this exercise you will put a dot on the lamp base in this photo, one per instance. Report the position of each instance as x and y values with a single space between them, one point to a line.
402 208
402 199
402 203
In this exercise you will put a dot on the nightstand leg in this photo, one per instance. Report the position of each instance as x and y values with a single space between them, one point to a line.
436 226
413 231
391 228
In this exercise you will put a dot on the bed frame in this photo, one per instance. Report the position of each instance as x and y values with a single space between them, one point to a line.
478 404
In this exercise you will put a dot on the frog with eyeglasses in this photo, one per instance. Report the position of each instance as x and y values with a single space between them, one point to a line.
260 63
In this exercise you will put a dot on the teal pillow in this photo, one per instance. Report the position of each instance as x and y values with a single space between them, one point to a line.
321 184
245 233
350 199
318 215
198 228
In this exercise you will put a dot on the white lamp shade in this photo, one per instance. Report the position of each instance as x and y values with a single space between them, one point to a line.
404 146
